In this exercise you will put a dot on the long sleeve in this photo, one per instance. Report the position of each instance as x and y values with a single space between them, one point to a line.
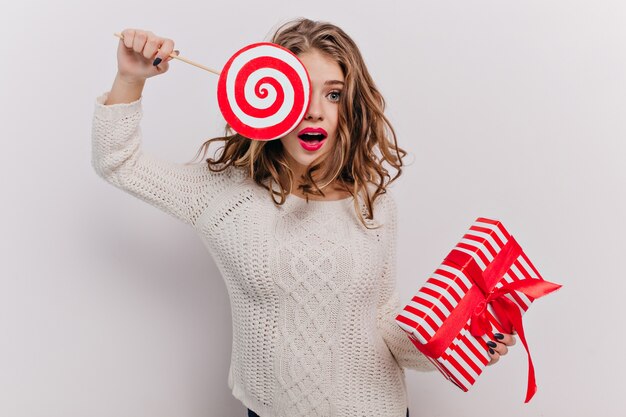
183 191
389 306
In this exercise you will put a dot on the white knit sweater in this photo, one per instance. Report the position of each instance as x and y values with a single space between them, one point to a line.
312 291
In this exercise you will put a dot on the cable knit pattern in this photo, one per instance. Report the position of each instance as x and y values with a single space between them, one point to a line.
312 291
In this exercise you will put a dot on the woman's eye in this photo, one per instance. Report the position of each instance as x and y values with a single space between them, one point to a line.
334 96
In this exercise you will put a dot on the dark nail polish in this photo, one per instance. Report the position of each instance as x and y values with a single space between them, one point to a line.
492 351
491 344
498 336
157 62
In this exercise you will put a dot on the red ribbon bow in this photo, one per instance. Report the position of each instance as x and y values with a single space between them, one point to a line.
474 304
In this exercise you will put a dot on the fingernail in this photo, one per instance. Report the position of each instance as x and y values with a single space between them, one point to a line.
157 62
492 351
491 344
499 336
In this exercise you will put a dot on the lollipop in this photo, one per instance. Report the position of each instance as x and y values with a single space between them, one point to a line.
263 90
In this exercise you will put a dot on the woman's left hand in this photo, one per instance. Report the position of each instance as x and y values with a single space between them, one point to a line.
499 347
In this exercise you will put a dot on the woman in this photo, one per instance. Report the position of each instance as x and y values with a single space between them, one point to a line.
303 230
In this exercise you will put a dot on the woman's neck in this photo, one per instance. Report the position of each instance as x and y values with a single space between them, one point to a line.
332 191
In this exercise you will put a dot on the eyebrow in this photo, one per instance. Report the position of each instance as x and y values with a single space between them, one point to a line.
334 82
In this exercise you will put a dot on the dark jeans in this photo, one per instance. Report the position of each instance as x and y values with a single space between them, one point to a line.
253 414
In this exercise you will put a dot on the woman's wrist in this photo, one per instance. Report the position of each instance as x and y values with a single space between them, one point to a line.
125 90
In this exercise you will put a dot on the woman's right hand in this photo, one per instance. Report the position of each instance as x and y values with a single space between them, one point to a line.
137 52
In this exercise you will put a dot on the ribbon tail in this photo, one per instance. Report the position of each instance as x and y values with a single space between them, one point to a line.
516 319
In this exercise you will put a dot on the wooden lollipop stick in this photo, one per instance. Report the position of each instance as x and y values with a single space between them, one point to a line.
195 64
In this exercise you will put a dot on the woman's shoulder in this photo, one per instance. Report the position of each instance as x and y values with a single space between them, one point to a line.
383 207
388 208
385 201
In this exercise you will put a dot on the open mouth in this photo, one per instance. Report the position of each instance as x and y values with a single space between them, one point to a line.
312 139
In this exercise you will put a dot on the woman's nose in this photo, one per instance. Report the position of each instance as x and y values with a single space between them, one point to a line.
314 111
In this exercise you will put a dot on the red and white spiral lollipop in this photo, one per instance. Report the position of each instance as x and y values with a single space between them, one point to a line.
263 91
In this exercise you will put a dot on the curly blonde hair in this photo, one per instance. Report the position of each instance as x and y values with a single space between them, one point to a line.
366 140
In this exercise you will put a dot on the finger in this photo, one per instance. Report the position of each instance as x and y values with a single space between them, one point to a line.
165 49
507 339
153 43
495 357
139 42
129 37
500 348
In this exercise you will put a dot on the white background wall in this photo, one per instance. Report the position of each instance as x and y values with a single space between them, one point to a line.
510 109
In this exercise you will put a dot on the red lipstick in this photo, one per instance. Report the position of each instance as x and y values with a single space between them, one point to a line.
312 138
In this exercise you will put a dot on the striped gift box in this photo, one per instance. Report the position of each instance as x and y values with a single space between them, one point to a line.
464 355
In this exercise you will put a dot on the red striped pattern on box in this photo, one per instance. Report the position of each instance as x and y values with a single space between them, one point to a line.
467 356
